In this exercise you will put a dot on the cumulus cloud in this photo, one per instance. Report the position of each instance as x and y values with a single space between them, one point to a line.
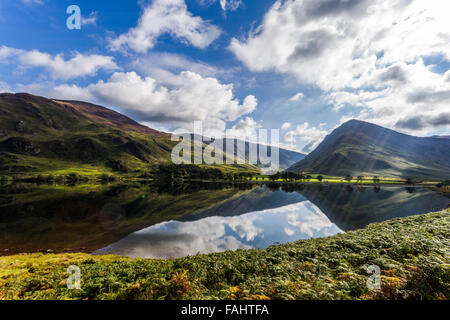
245 129
299 96
367 54
78 65
190 97
304 138
286 126
171 17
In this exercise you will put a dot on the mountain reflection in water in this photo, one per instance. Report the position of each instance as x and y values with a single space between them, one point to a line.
144 220
258 229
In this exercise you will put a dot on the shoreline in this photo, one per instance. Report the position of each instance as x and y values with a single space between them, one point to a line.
120 179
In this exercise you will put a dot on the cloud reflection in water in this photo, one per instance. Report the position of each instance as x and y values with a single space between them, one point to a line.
258 229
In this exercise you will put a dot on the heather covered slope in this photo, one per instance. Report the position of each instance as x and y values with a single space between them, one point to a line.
361 148
41 135
412 254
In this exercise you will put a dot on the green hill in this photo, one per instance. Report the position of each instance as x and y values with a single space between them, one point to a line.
40 135
361 148
47 136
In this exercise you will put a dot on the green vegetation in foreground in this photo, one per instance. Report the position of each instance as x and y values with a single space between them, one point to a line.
412 253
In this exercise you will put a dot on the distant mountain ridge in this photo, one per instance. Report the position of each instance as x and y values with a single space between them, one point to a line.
362 148
286 157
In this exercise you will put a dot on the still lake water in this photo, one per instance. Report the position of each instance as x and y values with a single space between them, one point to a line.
155 222
259 229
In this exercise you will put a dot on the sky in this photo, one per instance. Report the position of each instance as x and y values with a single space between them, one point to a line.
301 66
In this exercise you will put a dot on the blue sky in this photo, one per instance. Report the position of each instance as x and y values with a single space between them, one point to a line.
303 66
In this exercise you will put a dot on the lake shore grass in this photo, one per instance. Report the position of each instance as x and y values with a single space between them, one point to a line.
95 173
412 254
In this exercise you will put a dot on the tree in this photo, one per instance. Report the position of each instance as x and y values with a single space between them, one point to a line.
276 176
376 179
348 178
410 190
302 176
320 178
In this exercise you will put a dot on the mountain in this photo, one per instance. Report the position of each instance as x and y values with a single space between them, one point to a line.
257 199
361 148
40 135
49 136
286 157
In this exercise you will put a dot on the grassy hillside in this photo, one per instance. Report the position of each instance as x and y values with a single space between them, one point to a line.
361 148
40 135
55 137
412 254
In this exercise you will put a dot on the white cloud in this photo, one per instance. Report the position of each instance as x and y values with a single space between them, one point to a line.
163 66
367 53
231 5
90 19
304 138
286 126
245 129
78 66
308 224
7 52
226 5
189 98
166 16
214 234
175 239
299 96
58 91
30 2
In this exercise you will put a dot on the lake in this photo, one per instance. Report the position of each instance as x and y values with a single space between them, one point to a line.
150 221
